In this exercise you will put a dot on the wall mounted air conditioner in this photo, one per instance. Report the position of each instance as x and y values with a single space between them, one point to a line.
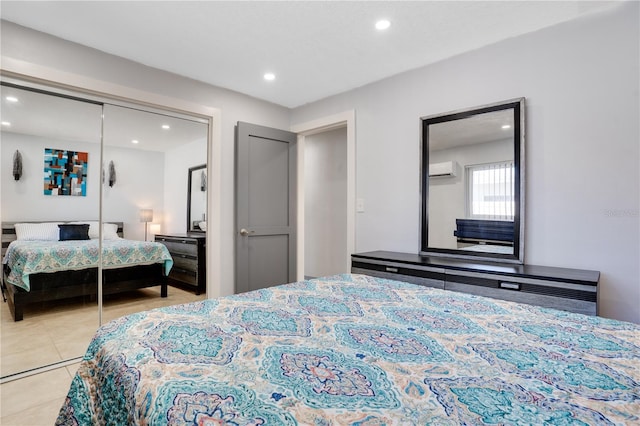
447 168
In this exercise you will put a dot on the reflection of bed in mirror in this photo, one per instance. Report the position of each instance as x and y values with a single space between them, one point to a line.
484 236
36 271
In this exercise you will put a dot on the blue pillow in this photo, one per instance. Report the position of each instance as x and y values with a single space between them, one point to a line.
74 232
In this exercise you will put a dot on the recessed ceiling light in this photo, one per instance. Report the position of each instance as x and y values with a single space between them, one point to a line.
382 24
506 126
166 126
6 123
11 99
135 141
269 76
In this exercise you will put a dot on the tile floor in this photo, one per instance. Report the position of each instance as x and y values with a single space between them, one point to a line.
35 400
58 332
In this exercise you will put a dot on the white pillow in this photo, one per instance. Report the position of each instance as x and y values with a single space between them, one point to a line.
109 230
38 231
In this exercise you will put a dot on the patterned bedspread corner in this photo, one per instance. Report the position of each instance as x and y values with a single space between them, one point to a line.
353 349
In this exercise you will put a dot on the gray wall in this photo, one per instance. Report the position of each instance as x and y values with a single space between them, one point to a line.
581 83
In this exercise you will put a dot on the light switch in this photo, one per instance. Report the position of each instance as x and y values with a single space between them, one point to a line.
360 205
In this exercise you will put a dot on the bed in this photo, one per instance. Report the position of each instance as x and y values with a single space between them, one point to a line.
46 270
357 350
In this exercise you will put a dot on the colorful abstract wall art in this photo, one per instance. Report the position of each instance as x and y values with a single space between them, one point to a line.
65 172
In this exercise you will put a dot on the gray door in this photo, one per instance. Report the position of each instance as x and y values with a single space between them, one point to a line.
265 207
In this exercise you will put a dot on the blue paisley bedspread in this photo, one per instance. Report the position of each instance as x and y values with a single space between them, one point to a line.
32 257
357 350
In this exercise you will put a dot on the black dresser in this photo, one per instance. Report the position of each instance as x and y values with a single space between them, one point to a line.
189 259
573 290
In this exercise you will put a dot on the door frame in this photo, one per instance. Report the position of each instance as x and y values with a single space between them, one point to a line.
331 122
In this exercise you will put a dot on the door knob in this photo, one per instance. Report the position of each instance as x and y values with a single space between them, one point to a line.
244 232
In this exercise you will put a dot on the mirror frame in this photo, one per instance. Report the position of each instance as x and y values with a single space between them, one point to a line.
189 186
519 184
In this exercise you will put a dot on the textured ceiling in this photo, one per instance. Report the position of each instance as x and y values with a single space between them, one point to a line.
315 48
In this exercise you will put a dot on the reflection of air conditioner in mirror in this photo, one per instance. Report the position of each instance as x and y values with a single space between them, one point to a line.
447 168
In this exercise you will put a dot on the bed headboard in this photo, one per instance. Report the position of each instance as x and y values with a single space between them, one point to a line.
9 230
484 230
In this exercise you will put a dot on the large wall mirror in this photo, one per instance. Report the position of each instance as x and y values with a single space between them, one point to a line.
83 159
197 199
472 183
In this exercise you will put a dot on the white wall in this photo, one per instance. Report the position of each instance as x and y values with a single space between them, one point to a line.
24 199
325 185
582 155
177 164
32 50
139 185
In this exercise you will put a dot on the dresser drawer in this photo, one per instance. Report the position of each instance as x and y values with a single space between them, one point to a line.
573 290
404 278
555 302
184 261
571 297
180 246
185 276
426 276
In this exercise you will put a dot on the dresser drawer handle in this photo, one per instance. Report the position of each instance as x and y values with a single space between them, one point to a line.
390 269
510 286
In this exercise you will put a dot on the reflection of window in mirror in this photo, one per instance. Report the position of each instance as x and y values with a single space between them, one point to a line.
490 191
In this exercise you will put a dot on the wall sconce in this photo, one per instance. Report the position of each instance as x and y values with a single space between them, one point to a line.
17 165
146 216
112 174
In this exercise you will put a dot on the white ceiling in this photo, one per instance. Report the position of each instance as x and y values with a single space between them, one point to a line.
315 48
60 119
476 129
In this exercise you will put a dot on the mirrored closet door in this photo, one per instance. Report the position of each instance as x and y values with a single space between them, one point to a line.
147 157
50 153
71 160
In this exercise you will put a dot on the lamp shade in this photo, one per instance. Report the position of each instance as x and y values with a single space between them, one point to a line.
146 215
154 228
